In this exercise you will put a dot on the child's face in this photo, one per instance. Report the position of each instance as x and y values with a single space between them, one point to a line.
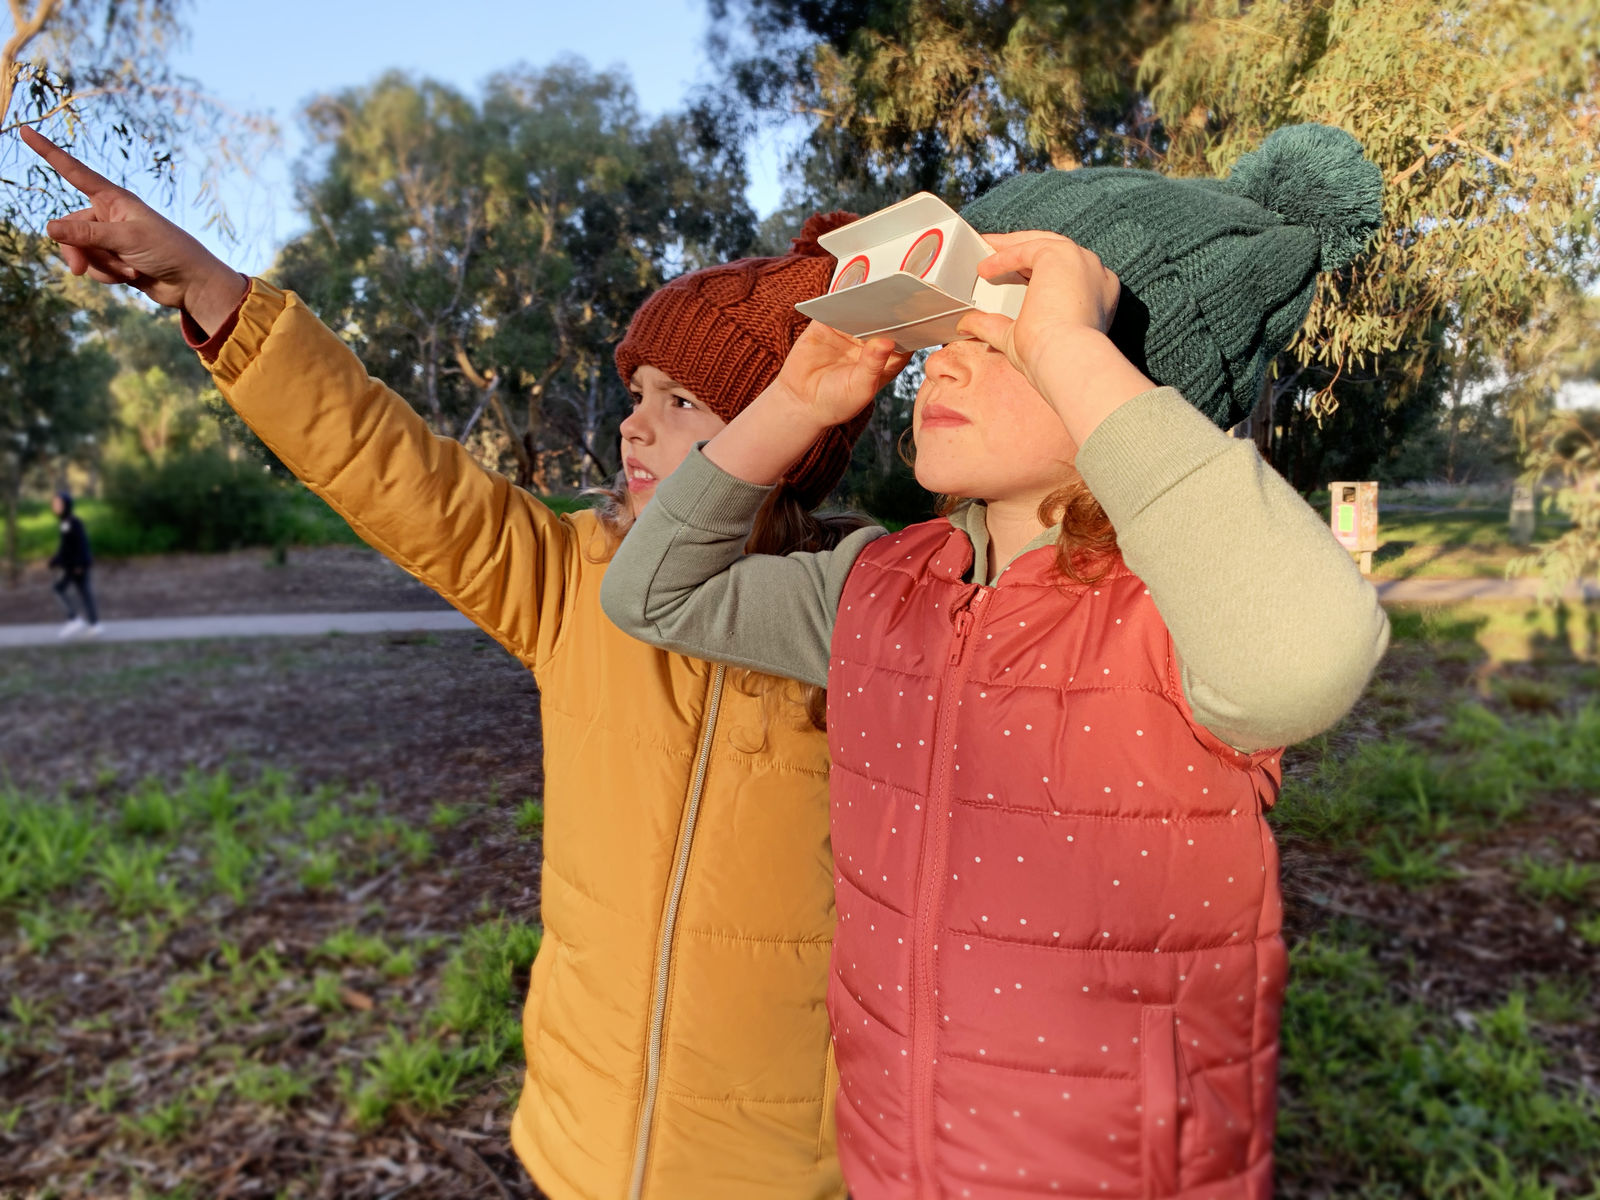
56 506
982 431
666 421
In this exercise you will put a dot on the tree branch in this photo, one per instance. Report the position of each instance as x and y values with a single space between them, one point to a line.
27 28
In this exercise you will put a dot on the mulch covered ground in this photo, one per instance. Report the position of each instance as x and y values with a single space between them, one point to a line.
449 723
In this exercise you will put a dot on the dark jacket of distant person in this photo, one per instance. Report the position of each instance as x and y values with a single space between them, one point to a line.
72 555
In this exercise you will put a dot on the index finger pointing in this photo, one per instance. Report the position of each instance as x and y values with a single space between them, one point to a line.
90 183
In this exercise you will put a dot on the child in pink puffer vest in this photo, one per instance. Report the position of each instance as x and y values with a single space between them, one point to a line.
1056 713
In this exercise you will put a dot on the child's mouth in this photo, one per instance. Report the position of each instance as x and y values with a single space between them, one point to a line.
937 416
639 479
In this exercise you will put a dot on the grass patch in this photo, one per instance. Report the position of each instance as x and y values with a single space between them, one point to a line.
1459 543
1388 1099
1402 802
530 817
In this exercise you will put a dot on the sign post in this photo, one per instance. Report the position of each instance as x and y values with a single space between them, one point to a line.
1523 512
1353 517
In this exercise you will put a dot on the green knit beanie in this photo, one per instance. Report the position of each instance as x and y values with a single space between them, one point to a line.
1217 275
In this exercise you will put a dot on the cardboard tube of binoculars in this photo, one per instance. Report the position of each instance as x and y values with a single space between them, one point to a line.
909 272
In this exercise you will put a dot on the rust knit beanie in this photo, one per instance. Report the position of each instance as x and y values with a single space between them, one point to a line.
723 333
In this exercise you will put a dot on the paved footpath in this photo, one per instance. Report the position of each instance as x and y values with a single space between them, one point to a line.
168 629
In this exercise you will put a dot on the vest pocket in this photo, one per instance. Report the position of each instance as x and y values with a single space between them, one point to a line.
1158 1045
830 1092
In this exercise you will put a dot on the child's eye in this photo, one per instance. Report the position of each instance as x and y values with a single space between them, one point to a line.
683 401
634 398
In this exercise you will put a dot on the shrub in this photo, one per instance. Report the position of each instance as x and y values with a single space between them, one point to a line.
208 501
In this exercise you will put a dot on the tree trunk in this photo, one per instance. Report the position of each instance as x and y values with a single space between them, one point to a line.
13 561
591 428
27 26
1261 420
1456 388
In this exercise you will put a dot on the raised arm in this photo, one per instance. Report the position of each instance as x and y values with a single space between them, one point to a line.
681 579
1277 631
486 546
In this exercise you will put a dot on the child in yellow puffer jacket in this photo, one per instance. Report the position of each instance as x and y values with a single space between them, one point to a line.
676 1037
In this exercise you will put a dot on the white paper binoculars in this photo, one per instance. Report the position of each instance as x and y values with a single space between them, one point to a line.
910 272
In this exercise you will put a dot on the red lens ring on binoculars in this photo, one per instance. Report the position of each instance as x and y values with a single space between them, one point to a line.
922 240
843 280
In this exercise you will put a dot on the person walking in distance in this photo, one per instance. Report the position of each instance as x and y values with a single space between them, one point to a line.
73 559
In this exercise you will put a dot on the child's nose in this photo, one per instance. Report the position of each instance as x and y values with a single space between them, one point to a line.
947 360
636 425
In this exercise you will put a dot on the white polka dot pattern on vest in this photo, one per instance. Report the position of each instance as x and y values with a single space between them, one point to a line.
1080 860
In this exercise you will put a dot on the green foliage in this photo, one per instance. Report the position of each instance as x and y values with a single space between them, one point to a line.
53 399
1407 807
205 499
478 997
421 1073
44 845
318 870
150 811
1567 880
1566 449
104 73
446 816
530 816
162 1122
348 945
1395 858
1385 1095
942 96
274 1086
131 877
1589 929
522 228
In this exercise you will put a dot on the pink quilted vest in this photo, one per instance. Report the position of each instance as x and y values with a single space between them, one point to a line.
1057 969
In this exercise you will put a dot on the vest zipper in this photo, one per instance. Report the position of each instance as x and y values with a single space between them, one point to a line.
930 900
652 1078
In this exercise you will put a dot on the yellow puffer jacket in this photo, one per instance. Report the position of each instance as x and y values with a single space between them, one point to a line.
675 1032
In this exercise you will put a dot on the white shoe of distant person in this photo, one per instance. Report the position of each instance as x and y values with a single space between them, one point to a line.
72 628
93 630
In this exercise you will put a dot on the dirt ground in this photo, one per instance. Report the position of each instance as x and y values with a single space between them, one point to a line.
451 720
310 579
430 721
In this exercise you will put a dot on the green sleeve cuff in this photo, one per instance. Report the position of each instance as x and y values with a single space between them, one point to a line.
702 495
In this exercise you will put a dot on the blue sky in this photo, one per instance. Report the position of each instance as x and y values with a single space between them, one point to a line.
270 58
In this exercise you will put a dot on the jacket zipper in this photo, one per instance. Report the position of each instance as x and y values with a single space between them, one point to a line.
652 1078
930 900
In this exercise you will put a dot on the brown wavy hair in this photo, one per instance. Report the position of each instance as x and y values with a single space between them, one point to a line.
783 525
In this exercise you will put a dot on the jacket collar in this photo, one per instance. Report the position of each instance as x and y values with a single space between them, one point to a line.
970 520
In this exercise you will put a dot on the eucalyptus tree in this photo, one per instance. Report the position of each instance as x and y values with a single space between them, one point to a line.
483 254
102 70
54 399
1481 114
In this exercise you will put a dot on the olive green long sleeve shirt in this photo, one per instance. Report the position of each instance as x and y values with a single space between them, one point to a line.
1276 629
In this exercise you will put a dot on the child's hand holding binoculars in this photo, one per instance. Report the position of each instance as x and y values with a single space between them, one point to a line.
1058 340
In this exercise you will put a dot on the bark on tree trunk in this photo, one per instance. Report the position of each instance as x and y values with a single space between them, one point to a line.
13 562
591 427
1261 420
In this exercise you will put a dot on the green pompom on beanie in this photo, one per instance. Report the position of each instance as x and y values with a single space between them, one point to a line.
1217 275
